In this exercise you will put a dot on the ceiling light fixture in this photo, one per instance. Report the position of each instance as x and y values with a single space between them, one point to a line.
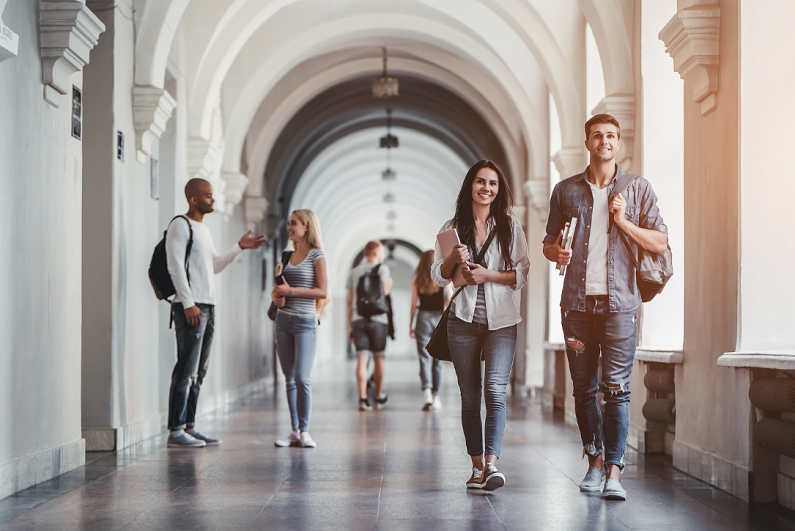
385 86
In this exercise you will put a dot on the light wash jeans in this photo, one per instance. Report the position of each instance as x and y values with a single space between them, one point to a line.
426 323
466 341
611 334
295 344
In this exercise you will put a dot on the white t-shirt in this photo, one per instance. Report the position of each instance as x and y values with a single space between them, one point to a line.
596 269
203 262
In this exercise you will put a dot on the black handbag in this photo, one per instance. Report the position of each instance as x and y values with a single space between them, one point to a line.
272 309
437 346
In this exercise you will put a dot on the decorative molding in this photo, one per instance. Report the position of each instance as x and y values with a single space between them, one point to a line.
764 359
9 41
622 108
203 156
570 161
236 184
255 210
537 192
659 356
152 107
68 33
692 39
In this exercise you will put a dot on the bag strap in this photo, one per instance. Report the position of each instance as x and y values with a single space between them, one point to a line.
187 247
621 186
629 249
286 255
479 258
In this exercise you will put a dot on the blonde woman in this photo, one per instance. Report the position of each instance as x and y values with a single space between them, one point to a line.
428 301
301 299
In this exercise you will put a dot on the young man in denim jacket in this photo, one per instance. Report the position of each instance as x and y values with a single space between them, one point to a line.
600 294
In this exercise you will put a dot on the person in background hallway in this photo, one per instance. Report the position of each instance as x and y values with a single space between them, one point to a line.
484 316
600 295
301 300
368 333
193 309
431 300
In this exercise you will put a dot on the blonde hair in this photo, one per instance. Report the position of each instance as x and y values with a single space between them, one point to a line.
314 239
422 275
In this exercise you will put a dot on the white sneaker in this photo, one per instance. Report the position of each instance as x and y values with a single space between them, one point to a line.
437 404
294 439
180 439
428 400
306 440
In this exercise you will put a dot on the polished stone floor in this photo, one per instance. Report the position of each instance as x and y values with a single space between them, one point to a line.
394 469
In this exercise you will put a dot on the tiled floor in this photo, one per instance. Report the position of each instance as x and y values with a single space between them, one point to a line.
394 469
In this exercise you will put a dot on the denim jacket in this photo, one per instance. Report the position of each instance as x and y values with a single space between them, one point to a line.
573 197
502 302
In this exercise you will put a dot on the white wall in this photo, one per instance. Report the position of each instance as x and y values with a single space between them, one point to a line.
663 165
767 67
40 274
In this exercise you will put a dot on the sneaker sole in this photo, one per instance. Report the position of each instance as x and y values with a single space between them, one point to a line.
185 445
494 482
474 485
613 495
427 407
295 444
365 408
590 489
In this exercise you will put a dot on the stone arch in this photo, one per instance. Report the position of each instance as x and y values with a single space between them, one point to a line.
156 22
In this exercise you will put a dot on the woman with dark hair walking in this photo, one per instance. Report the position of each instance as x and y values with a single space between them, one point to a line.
428 301
484 315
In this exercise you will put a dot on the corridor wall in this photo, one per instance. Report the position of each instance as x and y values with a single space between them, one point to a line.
40 175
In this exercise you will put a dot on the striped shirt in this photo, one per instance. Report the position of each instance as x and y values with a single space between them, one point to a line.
302 276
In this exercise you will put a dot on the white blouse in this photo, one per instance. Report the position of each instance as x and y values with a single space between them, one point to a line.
502 302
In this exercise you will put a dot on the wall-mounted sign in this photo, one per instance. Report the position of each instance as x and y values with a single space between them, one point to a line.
120 145
77 113
154 178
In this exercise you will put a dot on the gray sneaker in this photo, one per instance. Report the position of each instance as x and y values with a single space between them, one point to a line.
209 441
593 480
614 491
184 440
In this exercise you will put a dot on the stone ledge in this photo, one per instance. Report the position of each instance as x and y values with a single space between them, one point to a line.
659 356
764 359
41 466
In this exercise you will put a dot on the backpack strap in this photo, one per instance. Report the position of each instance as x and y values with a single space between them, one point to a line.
187 247
621 186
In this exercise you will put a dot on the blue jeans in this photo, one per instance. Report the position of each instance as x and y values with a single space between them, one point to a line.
467 341
295 344
426 323
589 334
193 356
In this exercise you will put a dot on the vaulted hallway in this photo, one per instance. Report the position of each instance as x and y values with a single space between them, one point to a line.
369 113
394 469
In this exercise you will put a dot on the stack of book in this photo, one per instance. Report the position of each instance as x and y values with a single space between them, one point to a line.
567 240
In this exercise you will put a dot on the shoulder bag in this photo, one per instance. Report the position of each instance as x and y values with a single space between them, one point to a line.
437 346
273 309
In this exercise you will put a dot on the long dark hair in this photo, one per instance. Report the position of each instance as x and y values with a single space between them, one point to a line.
464 222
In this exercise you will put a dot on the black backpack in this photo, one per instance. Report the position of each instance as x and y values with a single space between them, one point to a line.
158 267
370 299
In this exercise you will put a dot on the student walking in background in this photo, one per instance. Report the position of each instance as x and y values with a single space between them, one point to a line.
368 325
193 308
428 301
483 317
301 299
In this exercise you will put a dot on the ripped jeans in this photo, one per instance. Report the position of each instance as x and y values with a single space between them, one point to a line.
588 334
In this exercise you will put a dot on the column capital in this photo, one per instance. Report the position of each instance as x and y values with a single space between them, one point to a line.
255 209
68 33
9 41
236 184
537 192
692 39
622 108
152 108
570 160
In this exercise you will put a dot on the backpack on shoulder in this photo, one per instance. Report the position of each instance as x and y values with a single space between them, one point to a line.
652 270
370 299
158 266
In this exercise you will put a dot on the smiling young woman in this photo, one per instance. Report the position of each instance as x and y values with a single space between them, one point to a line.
484 316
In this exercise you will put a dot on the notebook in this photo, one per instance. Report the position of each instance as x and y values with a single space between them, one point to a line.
447 241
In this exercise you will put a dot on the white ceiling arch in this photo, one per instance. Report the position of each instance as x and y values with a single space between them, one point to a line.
284 101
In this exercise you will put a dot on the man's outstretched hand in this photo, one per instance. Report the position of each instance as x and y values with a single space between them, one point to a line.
251 242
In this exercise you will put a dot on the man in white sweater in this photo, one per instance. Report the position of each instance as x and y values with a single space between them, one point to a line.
193 309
